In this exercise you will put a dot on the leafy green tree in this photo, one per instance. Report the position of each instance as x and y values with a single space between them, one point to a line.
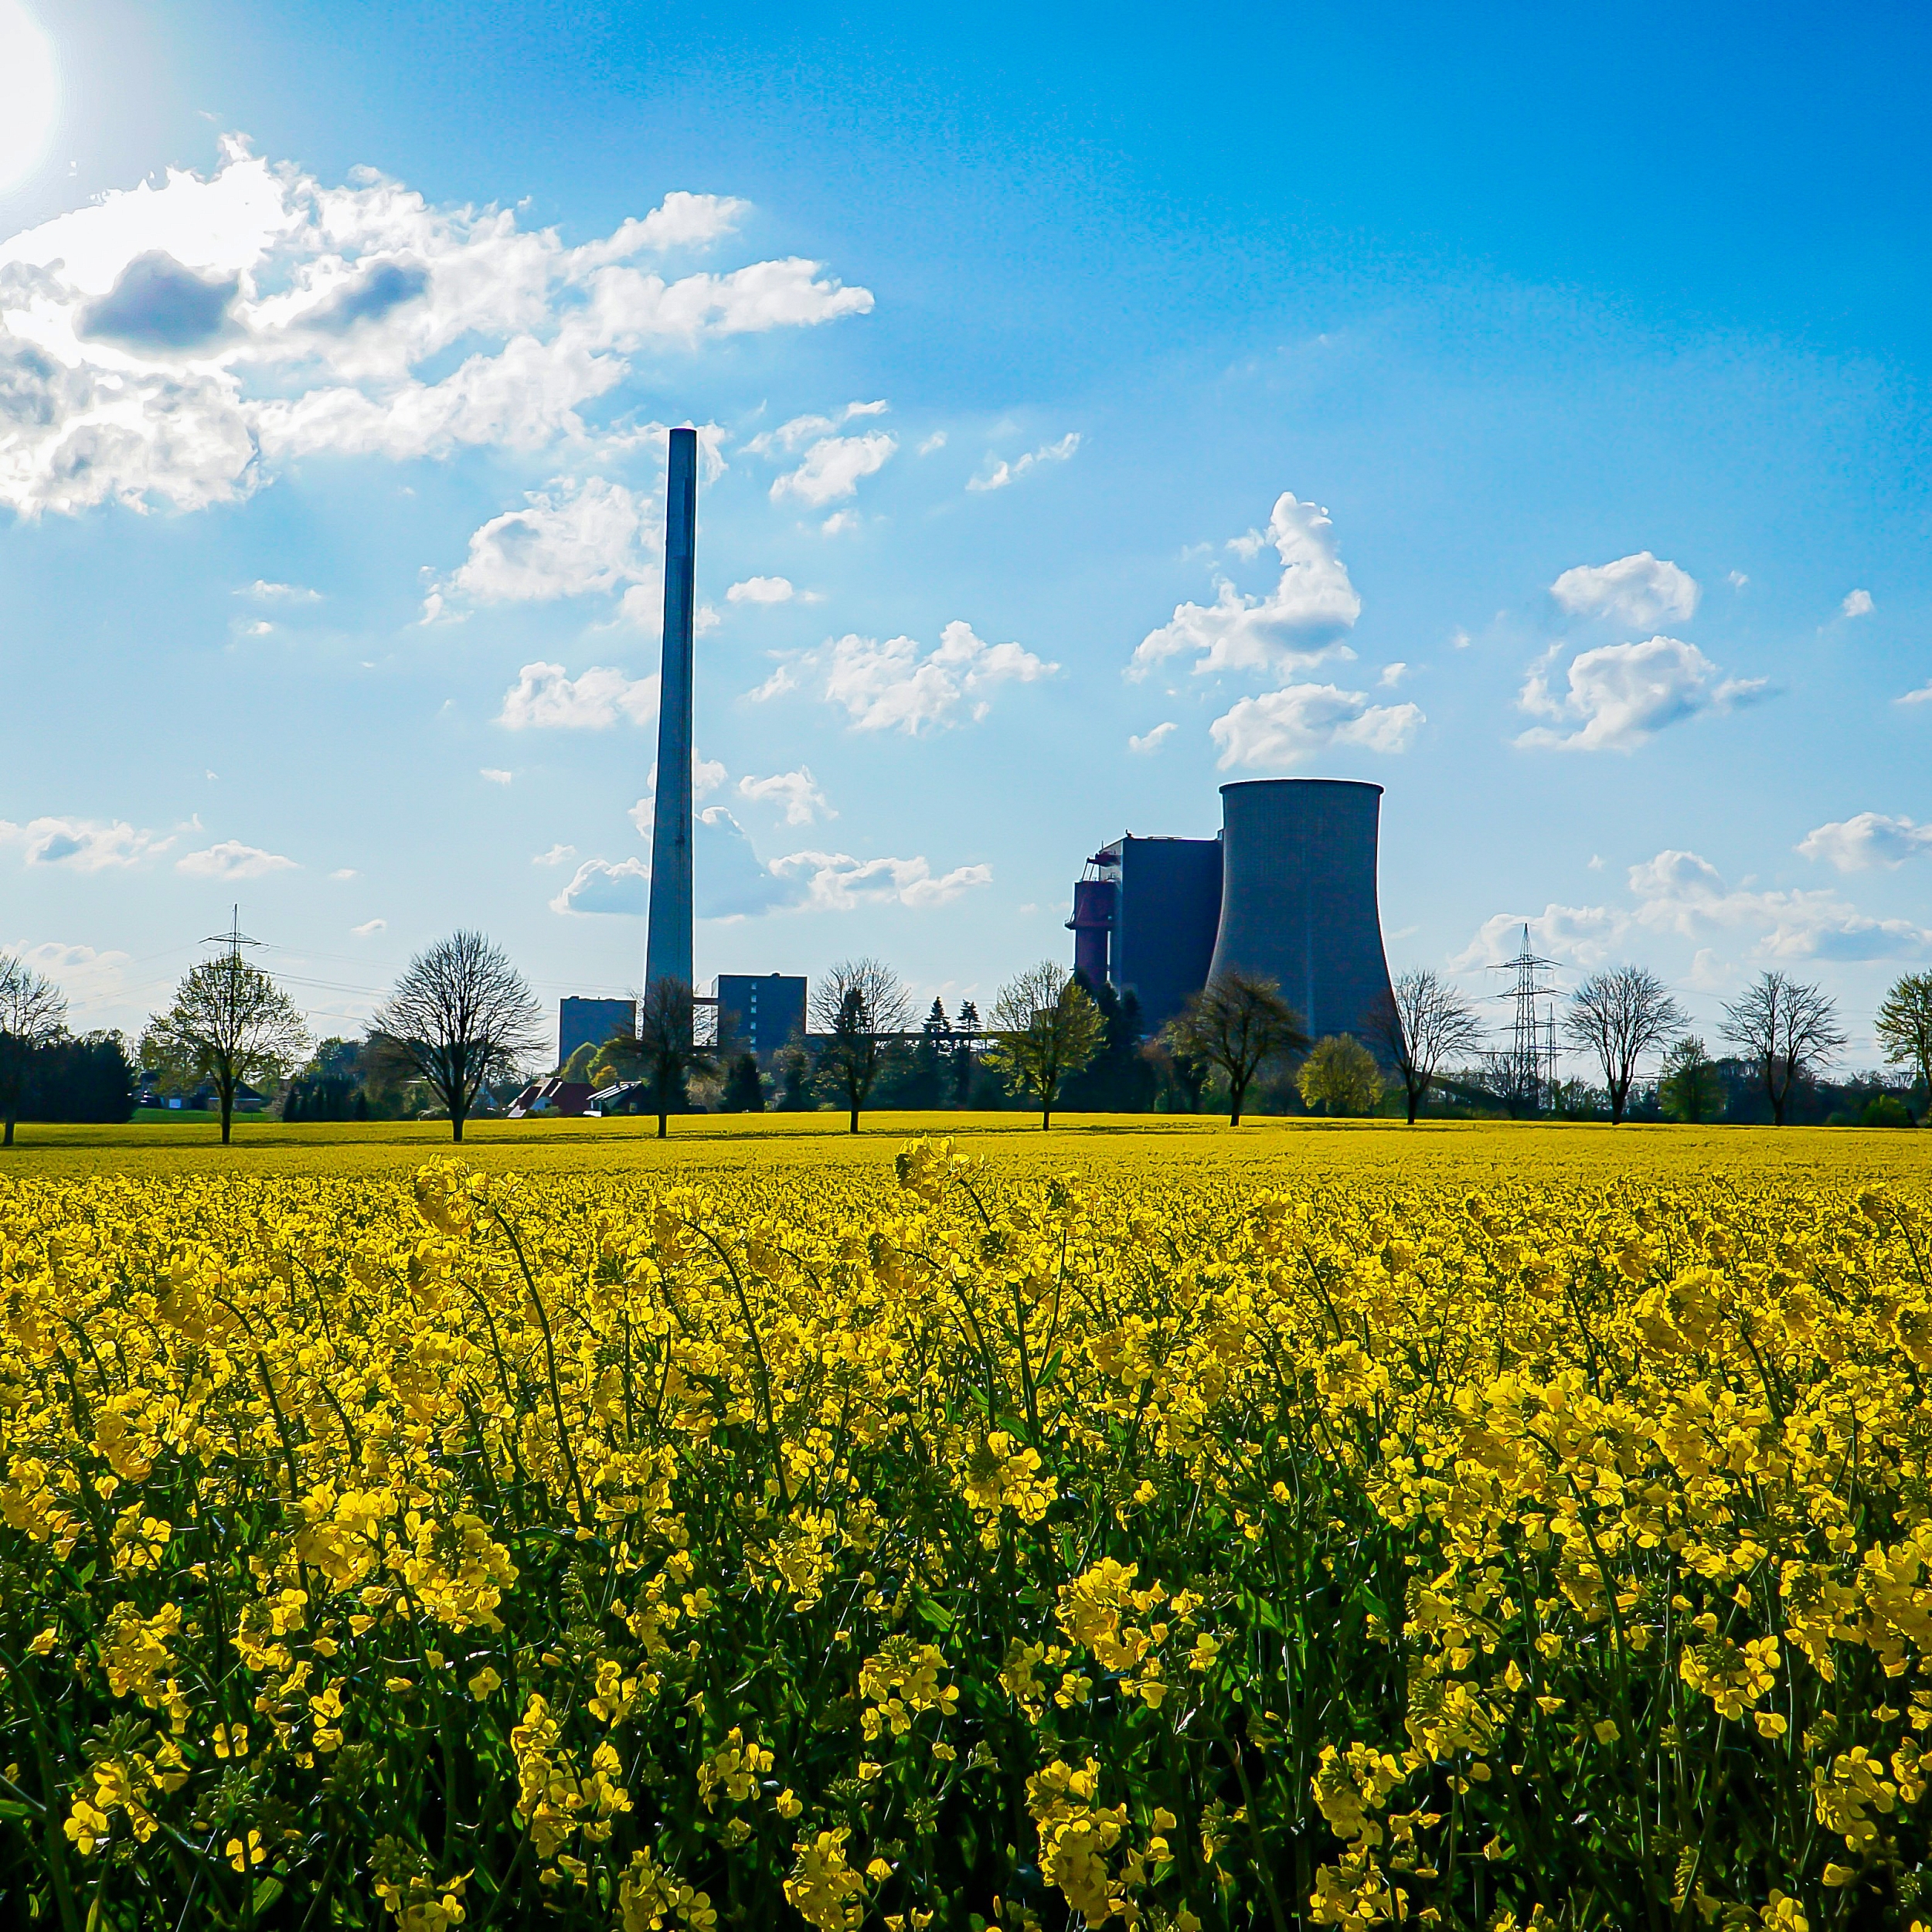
230 1025
965 1053
1045 1026
791 1068
1904 1026
578 1067
744 1093
1340 1076
1178 1076
1692 1089
1237 1023
33 1014
856 1008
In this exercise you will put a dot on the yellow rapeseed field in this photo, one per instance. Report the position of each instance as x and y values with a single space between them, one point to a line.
1469 1527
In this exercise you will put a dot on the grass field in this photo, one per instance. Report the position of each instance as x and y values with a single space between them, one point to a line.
1308 1524
1099 1144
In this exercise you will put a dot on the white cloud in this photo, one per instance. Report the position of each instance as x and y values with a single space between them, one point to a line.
1461 638
263 592
782 679
231 859
1001 473
1585 935
1301 620
1922 695
261 628
1858 604
789 438
177 344
833 467
599 887
369 928
893 686
761 590
1287 727
1737 580
1681 893
1152 740
91 980
569 539
1641 589
836 882
495 776
556 855
796 793
680 220
344 872
84 844
839 521
1393 675
1870 839
543 698
1619 695
936 441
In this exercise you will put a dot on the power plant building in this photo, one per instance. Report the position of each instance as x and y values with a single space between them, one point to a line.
760 1012
590 1022
1144 918
1286 892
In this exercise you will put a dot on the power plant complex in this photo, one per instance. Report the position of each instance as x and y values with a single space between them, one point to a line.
1285 891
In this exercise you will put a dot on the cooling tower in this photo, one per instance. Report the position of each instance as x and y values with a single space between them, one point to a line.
668 937
1299 895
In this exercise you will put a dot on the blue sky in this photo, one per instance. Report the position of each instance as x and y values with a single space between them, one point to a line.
1524 412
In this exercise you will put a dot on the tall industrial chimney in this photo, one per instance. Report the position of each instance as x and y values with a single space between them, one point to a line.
668 940
1298 896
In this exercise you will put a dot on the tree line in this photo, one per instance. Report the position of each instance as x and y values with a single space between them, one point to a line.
461 1024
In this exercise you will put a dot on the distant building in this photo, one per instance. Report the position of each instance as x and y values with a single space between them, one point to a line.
761 1012
567 1097
590 1023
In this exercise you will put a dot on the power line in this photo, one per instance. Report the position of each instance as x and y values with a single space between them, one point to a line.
1529 1061
234 939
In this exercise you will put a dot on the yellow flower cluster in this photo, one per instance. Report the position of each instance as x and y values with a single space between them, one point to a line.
856 1547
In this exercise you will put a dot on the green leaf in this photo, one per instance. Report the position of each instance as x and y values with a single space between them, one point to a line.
267 1892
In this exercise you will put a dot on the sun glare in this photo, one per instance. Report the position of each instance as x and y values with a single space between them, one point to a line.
28 90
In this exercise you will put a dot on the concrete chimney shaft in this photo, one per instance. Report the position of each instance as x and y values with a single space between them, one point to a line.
667 937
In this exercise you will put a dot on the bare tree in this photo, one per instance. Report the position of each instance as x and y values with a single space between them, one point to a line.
1237 1023
462 1015
1418 1025
1045 1026
1620 1015
230 1024
857 1002
33 1014
1788 1029
663 1051
1904 1027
